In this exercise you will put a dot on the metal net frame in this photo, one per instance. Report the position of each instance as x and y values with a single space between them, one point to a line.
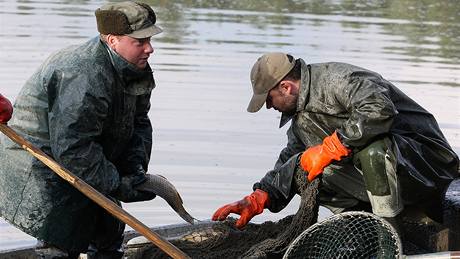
347 235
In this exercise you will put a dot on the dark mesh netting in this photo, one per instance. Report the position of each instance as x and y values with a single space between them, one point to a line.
347 235
267 240
306 216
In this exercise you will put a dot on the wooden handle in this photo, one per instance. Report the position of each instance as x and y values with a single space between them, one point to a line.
94 195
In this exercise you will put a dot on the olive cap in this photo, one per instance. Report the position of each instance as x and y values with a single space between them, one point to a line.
133 19
266 73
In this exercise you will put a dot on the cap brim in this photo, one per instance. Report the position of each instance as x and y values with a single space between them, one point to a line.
146 32
257 101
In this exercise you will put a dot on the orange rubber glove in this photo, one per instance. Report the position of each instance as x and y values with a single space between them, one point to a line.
247 208
316 158
6 109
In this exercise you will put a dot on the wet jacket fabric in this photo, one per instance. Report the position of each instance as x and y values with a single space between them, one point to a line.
363 107
87 108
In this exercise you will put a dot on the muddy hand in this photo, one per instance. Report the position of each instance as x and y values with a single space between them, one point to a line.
6 110
163 188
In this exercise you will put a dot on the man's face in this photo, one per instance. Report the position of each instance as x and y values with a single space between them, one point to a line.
135 51
282 99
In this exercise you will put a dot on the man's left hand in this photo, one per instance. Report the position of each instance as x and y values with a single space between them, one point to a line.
316 158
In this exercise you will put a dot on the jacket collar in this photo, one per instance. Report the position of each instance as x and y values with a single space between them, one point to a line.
135 81
304 90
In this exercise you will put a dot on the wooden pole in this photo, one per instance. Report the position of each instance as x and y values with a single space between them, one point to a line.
94 195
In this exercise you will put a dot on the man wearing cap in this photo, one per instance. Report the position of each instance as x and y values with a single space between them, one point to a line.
375 148
86 106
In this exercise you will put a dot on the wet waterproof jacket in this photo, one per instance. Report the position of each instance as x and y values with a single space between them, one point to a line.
87 108
363 107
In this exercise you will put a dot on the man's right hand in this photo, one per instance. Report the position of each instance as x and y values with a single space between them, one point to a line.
6 110
127 191
247 208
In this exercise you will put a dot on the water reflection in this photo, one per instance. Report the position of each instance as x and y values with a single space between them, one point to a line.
431 27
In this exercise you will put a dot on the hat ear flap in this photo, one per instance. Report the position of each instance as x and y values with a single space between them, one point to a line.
112 22
152 16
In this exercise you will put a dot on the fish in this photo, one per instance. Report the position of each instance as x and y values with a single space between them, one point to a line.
166 190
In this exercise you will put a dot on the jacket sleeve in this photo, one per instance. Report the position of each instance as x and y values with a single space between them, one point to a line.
140 145
366 97
293 147
278 182
78 107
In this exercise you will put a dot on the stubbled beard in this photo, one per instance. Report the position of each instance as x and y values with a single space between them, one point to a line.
291 105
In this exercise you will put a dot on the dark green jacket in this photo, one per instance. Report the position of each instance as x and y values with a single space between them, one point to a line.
363 107
87 108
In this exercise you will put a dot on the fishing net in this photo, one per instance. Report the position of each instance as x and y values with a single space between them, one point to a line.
267 240
306 216
347 235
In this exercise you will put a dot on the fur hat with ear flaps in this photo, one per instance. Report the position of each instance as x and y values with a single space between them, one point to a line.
133 19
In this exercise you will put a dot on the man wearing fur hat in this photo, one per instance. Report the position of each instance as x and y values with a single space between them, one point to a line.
375 148
86 106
